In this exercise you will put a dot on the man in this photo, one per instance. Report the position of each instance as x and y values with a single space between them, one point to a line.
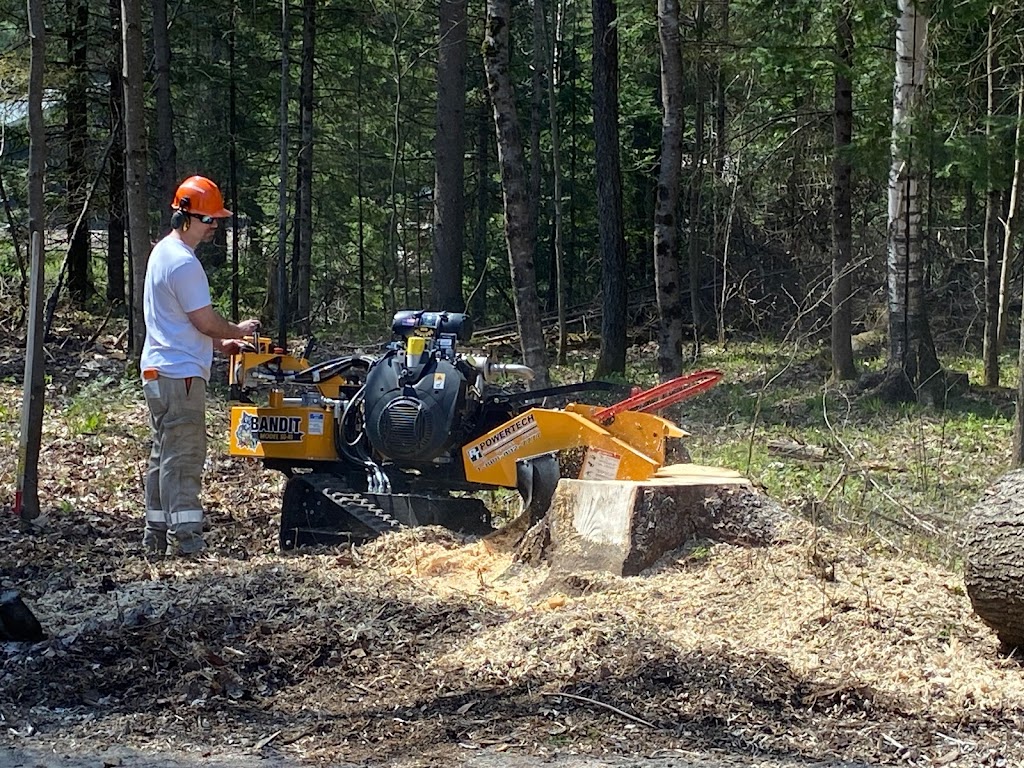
182 328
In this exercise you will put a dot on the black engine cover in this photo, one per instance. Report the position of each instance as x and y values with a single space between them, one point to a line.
413 421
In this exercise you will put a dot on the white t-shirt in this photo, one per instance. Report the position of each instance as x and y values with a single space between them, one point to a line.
175 285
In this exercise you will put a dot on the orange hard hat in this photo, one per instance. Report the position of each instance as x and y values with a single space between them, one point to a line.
199 195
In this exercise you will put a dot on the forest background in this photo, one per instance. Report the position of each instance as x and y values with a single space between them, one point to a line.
712 170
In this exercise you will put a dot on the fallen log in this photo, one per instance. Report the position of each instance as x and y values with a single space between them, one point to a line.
792 449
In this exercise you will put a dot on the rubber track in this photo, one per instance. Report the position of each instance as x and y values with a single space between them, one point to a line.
354 504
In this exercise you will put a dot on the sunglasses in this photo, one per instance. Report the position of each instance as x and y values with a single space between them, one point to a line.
203 219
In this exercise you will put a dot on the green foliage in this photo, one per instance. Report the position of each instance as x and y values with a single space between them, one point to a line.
901 475
88 409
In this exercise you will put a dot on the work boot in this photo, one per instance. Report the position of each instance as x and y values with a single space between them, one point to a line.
154 542
188 545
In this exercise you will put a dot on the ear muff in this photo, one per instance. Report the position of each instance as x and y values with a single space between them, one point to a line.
180 217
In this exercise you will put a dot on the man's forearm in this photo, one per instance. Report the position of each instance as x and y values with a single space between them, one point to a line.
209 323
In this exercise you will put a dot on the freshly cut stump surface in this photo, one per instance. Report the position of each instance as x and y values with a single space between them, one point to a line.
624 527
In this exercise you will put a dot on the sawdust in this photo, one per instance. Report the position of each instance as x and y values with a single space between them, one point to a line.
422 647
446 565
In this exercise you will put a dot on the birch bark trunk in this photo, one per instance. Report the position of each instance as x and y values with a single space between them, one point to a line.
913 368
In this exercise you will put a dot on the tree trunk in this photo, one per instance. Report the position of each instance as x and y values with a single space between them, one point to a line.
537 67
449 166
282 189
304 182
115 185
666 203
993 562
34 390
558 278
77 137
913 369
612 357
721 143
166 152
233 156
1012 221
842 234
993 206
360 187
519 235
478 303
697 182
136 195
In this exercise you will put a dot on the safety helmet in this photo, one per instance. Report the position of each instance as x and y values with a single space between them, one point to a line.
200 196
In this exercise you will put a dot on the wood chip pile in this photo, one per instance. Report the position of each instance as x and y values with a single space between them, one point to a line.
424 645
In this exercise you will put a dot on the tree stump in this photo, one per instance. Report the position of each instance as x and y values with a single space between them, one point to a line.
994 558
624 527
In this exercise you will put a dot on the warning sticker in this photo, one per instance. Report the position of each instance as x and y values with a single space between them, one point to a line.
316 423
600 465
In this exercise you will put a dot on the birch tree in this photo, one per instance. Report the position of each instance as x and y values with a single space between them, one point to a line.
992 241
913 368
1012 218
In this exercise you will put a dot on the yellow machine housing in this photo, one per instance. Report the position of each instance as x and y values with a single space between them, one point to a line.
370 444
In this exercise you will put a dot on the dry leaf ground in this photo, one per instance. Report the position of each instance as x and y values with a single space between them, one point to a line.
426 649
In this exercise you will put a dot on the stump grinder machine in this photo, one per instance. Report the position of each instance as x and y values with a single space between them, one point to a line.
373 444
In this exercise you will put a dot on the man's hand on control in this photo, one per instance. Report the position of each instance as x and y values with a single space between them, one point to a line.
249 327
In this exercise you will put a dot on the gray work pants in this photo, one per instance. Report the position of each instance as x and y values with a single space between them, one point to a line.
177 417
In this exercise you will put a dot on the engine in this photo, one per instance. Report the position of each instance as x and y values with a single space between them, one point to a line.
421 398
